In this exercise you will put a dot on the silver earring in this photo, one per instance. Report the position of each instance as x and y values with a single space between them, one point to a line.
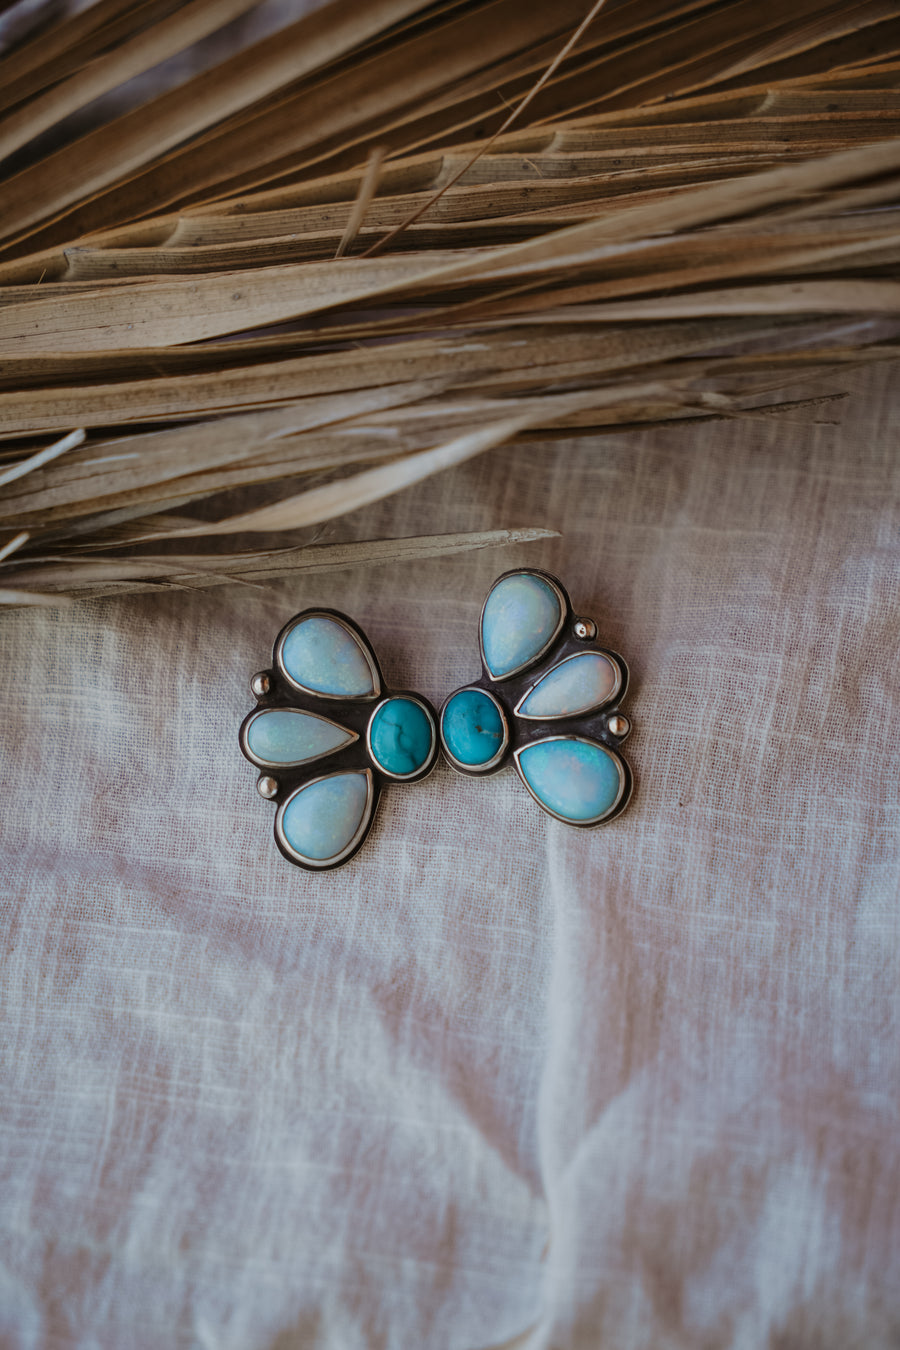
547 701
328 737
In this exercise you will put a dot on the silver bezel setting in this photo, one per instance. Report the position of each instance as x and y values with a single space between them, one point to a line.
535 656
578 712
616 806
320 693
292 763
349 848
457 764
429 763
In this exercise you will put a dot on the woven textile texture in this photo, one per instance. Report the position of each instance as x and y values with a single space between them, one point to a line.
496 1082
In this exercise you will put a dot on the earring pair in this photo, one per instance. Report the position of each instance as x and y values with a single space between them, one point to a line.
328 735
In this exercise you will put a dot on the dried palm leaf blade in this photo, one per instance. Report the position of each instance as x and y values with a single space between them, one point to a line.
387 238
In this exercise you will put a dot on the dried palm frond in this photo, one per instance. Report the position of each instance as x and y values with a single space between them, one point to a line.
390 236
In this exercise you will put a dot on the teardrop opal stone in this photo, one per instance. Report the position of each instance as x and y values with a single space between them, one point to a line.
322 655
583 682
401 737
521 617
473 727
321 821
577 780
289 736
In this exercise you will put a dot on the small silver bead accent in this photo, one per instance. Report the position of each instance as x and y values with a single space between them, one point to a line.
267 786
618 725
261 683
586 628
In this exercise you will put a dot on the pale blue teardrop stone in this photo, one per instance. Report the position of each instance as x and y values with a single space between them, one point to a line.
520 617
322 818
288 736
578 780
574 686
324 656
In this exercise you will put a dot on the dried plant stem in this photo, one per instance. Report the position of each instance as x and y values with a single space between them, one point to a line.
43 457
367 187
514 115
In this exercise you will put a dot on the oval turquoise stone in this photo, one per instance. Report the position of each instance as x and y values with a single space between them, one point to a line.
577 780
289 736
574 686
321 820
322 655
521 616
472 727
401 737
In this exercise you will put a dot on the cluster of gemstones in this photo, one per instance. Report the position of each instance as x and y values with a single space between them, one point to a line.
547 700
327 735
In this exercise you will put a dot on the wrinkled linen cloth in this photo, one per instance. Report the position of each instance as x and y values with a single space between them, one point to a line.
497 1082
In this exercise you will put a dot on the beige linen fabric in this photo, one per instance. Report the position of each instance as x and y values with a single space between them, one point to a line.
496 1082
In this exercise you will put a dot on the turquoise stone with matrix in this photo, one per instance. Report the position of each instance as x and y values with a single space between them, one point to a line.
473 728
401 737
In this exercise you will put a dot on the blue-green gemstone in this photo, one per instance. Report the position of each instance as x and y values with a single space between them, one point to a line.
521 616
289 736
322 655
321 820
473 727
401 737
574 686
577 780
